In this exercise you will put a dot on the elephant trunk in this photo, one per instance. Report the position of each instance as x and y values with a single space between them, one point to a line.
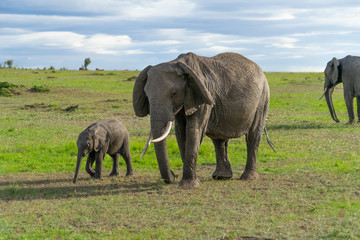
328 97
157 129
78 164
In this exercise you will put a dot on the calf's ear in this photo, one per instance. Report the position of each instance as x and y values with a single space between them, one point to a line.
101 138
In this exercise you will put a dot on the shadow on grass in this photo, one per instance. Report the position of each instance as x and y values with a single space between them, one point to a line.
62 188
35 182
307 125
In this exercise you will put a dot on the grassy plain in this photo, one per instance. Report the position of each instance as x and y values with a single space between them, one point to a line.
310 189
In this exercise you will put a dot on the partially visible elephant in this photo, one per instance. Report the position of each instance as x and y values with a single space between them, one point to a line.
109 136
347 71
223 97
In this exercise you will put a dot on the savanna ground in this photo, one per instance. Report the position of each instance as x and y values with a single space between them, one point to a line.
310 189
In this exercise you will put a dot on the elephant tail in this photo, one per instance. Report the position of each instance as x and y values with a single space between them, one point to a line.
269 142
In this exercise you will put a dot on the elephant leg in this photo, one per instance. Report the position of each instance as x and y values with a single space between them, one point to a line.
252 143
180 132
115 170
192 144
253 138
194 134
350 108
89 163
125 153
99 158
358 108
223 166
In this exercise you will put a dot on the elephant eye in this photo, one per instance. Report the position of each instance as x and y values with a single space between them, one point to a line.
173 94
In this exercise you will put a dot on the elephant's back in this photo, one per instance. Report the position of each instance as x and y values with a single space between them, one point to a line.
118 134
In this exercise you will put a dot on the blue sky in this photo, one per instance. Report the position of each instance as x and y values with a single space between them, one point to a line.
131 34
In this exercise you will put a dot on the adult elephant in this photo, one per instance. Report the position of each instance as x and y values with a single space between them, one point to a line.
223 97
347 71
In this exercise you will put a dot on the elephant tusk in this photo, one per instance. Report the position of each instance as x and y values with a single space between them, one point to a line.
179 109
166 133
323 93
147 145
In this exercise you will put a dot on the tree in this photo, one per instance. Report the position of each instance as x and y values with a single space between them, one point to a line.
9 63
86 63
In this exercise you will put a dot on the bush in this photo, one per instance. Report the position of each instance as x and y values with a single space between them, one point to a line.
5 92
7 89
39 89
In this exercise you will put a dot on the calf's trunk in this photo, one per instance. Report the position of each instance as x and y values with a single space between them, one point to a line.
78 164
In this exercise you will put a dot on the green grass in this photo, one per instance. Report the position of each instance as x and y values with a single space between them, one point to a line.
310 189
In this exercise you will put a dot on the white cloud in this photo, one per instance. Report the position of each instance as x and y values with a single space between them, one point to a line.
133 9
152 30
185 36
98 43
136 52
272 14
44 20
157 9
219 49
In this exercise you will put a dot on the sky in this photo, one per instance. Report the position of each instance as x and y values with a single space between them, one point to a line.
279 35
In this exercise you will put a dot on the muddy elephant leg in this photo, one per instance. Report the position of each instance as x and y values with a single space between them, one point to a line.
99 158
115 170
125 153
89 163
223 166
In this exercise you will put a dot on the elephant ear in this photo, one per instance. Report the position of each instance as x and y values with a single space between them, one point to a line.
140 100
335 73
196 92
101 137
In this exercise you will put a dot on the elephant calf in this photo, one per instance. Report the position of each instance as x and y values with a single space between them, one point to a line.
109 136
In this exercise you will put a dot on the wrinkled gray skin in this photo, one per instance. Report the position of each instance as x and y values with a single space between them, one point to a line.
347 71
223 97
103 137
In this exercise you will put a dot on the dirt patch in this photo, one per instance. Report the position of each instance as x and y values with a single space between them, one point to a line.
71 108
133 78
36 106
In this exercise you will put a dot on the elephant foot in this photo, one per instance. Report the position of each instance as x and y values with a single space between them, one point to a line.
350 122
249 175
129 174
171 179
222 174
91 173
189 183
96 176
114 174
